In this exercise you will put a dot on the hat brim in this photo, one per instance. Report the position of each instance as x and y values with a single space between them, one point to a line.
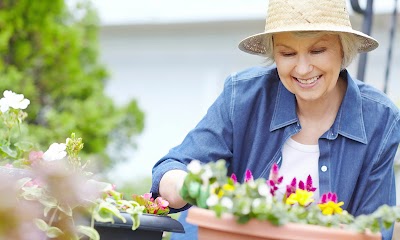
254 44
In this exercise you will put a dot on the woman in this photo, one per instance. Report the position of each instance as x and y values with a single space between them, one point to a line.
307 114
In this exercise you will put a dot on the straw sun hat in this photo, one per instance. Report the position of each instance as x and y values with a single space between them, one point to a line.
306 15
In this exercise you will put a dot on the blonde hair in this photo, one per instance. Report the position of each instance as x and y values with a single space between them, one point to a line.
348 41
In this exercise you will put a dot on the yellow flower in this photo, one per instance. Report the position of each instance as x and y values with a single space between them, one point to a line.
330 208
302 197
218 191
228 187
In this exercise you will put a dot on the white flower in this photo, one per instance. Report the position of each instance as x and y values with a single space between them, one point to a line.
13 100
252 184
212 200
206 175
194 167
56 151
227 202
256 203
264 190
246 209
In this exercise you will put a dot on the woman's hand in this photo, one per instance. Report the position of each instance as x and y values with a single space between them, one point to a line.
170 185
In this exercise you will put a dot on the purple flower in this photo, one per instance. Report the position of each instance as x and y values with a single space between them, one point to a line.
291 188
274 174
309 186
249 176
234 178
328 197
274 179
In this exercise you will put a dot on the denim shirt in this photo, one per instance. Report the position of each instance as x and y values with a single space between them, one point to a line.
255 114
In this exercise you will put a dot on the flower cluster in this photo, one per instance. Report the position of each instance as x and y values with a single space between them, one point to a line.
157 206
13 100
208 186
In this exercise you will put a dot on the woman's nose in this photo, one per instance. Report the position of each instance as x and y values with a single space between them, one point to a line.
303 65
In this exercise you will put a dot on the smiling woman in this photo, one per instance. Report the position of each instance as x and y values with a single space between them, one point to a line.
309 67
307 115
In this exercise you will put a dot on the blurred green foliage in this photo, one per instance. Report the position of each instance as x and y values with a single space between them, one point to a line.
49 53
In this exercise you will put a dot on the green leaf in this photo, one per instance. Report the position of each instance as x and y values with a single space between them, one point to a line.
105 212
7 150
89 232
135 221
53 232
387 224
24 145
65 209
21 182
204 194
48 201
194 189
41 224
32 193
46 211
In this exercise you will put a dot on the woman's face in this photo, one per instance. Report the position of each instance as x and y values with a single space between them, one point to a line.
308 66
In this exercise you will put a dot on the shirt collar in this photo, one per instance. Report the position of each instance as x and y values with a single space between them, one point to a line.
349 121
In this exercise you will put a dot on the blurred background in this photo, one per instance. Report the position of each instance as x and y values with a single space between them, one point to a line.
133 77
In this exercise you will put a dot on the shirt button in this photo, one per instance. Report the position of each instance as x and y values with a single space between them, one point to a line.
324 168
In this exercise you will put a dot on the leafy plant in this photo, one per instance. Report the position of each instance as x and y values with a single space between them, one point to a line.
49 51
208 186
59 197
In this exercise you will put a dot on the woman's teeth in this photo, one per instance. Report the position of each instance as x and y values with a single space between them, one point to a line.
308 81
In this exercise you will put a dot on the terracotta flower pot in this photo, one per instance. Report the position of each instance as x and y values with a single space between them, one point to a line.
213 228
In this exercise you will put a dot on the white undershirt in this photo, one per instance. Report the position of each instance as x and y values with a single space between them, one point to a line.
299 160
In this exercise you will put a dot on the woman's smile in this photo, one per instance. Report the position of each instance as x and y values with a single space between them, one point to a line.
307 82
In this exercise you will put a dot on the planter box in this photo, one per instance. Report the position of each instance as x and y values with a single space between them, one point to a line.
213 228
151 228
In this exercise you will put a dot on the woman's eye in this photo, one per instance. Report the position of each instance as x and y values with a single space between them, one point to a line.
318 51
287 54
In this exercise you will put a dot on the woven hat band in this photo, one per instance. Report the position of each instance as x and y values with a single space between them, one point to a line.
286 13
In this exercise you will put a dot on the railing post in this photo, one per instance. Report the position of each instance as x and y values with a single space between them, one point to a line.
366 28
391 44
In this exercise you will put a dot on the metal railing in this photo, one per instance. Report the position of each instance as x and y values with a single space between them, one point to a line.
368 14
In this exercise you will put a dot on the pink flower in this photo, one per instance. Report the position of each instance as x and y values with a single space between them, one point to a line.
274 174
161 202
35 157
234 178
291 188
274 179
309 185
148 196
328 197
34 182
248 176
272 187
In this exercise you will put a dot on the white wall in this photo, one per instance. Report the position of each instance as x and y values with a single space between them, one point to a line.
176 71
